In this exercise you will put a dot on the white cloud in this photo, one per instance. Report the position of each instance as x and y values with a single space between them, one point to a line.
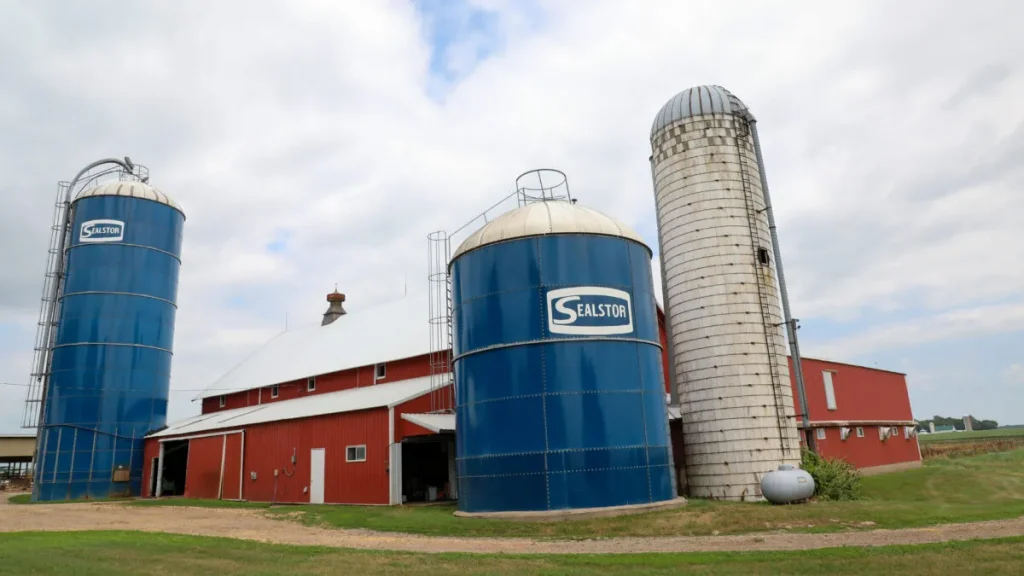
1015 373
951 325
891 135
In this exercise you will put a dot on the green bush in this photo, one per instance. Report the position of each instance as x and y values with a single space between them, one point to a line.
834 478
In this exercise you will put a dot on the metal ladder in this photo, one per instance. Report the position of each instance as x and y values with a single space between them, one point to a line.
49 312
742 131
442 397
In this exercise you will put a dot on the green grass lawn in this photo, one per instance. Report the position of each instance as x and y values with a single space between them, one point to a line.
945 490
972 435
133 553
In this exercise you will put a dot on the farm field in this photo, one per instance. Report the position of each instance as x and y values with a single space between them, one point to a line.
972 435
958 444
945 490
133 553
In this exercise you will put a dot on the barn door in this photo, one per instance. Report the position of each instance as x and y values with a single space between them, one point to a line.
316 476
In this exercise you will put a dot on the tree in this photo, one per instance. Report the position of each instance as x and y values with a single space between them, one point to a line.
957 423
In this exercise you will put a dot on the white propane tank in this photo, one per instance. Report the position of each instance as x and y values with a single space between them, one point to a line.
787 485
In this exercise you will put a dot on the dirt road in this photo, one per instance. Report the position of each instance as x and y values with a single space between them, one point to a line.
255 525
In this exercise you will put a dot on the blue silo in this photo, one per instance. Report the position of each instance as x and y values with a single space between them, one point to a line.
111 362
560 396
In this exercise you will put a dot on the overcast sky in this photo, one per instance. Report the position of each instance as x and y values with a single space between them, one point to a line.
314 142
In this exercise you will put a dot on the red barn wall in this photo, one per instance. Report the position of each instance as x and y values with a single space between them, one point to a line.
871 396
421 405
663 338
394 371
150 450
270 446
861 393
202 478
869 451
232 466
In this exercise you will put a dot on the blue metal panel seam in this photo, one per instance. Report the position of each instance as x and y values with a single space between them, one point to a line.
643 409
543 374
80 246
552 341
133 294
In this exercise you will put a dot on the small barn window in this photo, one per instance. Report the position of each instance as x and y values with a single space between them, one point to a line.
223 401
908 431
274 391
311 384
860 432
355 453
763 257
379 371
830 391
820 433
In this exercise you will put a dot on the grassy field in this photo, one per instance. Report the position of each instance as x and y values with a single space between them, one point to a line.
946 490
133 553
972 435
958 444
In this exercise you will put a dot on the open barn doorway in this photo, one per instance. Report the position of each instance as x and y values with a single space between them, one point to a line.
175 465
427 469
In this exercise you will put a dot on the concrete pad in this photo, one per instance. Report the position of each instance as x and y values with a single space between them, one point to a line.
577 513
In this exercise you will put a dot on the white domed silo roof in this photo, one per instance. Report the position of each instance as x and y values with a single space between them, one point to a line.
133 189
697 101
541 218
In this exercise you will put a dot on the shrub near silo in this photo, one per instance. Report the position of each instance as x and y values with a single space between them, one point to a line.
834 478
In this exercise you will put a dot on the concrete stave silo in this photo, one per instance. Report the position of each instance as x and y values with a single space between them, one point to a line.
723 313
557 412
111 359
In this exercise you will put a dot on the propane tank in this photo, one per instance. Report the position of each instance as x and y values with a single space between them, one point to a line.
787 485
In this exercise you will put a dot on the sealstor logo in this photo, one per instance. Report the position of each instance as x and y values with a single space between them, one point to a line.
589 311
101 231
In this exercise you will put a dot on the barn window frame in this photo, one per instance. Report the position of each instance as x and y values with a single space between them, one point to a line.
828 381
311 384
275 391
819 433
860 431
380 371
222 401
352 453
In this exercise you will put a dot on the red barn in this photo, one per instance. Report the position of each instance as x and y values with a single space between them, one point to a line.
348 413
859 414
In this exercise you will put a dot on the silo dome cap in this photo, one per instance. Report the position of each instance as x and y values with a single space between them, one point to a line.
131 188
542 218
697 101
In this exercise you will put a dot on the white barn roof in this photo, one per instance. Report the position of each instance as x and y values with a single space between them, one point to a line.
436 423
351 400
383 333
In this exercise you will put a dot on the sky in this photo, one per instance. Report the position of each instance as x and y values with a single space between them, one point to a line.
313 142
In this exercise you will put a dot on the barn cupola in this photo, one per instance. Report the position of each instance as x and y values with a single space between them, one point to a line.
335 309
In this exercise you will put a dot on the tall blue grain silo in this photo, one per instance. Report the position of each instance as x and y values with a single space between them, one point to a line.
560 396
111 362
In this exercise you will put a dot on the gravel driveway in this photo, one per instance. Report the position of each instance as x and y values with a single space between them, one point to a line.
255 525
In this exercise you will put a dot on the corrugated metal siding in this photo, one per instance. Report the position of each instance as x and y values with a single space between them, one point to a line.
870 450
419 405
270 446
364 376
663 338
232 467
150 450
203 475
861 393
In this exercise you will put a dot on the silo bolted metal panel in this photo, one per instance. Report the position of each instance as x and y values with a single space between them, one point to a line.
722 304
560 400
111 362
